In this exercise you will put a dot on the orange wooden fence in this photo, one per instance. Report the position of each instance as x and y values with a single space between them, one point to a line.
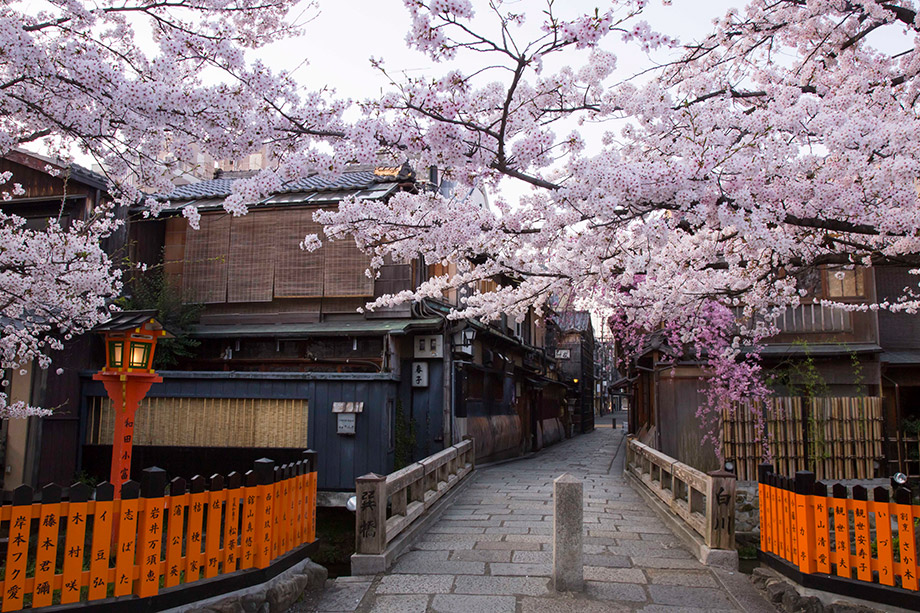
852 537
91 547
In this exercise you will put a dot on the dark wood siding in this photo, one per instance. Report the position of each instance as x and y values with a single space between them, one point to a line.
680 432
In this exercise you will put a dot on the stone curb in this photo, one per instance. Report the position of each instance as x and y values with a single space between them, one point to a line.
274 596
786 597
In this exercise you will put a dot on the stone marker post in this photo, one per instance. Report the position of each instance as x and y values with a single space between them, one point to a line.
568 539
371 514
720 510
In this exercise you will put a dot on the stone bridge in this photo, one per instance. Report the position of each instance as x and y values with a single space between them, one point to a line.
491 549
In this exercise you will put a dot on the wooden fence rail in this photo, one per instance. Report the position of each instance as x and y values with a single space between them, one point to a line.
92 546
705 502
837 438
408 493
826 535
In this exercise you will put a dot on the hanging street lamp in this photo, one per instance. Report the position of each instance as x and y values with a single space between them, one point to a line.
130 340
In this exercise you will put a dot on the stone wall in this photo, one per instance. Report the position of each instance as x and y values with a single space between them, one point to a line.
274 596
747 508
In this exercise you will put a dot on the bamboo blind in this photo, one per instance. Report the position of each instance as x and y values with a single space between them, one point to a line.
207 422
298 273
837 438
251 266
256 258
204 278
344 273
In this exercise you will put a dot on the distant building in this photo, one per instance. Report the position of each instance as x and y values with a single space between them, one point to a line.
572 344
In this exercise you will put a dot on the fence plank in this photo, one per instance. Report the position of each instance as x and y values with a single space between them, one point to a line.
275 512
265 475
47 545
248 535
311 512
17 552
765 516
232 522
882 508
906 540
841 531
100 554
300 495
788 527
178 501
127 509
212 536
822 529
284 511
197 500
805 516
74 543
150 531
863 539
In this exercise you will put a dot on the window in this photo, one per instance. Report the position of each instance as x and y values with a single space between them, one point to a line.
845 283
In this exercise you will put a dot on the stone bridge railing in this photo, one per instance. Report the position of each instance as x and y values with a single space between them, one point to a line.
387 506
702 502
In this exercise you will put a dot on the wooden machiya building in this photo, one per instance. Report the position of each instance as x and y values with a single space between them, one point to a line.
38 451
846 387
286 361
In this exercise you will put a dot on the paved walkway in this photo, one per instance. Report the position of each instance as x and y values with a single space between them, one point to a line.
491 551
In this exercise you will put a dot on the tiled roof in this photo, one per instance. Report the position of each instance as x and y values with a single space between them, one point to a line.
89 177
76 172
126 320
220 188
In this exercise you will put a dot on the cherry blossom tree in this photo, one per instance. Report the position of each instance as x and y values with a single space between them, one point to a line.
787 139
139 86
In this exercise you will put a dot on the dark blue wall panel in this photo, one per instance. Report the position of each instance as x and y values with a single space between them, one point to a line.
342 458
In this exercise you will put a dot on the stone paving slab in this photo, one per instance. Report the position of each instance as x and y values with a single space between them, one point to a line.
491 551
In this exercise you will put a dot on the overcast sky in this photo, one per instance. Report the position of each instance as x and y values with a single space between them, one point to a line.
343 35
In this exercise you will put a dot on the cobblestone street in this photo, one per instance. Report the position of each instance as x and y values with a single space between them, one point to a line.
491 551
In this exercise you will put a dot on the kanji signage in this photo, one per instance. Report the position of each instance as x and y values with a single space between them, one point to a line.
419 374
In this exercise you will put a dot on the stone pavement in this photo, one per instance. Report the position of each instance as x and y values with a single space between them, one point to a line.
491 550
